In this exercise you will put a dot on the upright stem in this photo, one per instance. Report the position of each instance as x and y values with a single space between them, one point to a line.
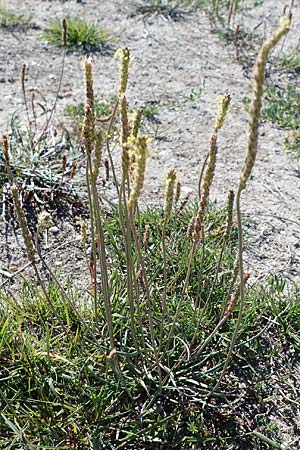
242 288
101 249
147 290
126 229
93 236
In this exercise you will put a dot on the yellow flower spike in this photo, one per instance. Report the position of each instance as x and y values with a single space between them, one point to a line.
88 130
169 194
177 192
124 132
137 122
23 224
139 148
256 103
98 154
44 220
207 182
223 105
125 55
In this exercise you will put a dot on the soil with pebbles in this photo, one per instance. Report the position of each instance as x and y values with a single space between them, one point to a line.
182 66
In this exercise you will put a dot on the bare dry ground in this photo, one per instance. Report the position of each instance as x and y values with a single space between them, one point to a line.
183 67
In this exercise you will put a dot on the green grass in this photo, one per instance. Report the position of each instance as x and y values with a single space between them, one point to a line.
291 60
59 390
80 35
283 109
9 19
283 106
33 155
103 108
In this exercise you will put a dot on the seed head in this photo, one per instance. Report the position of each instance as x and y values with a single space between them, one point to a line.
177 192
169 194
44 221
235 296
223 104
124 54
6 152
98 154
23 224
64 33
137 122
207 182
138 147
88 131
256 103
229 208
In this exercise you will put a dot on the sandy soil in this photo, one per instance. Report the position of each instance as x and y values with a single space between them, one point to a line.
183 66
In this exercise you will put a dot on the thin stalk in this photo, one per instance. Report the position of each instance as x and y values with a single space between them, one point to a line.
179 304
101 250
23 77
93 238
147 290
232 11
129 265
164 302
109 128
200 317
232 281
242 288
164 299
201 175
48 121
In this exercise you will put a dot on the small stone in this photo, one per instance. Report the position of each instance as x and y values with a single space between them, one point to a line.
54 230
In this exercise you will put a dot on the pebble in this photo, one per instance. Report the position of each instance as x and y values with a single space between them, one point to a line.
54 230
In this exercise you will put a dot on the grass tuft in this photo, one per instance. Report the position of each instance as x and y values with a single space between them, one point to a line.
291 60
283 108
163 348
170 9
58 390
103 108
11 20
80 35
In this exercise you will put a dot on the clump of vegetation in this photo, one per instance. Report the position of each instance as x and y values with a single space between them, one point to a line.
283 108
59 391
80 35
291 60
170 9
103 108
41 167
9 19
141 361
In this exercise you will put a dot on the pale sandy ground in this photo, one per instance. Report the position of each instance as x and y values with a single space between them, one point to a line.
171 61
